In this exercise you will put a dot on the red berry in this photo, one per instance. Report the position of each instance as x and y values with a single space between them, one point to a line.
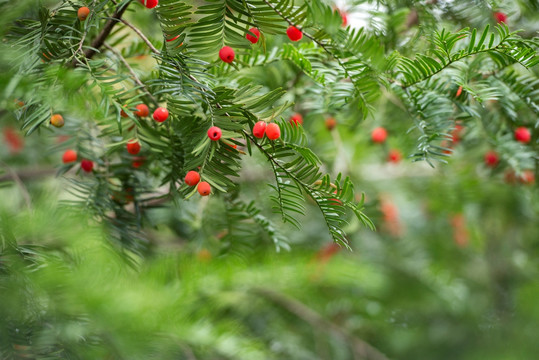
57 120
331 123
150 4
259 129
273 132
14 141
459 91
142 110
214 133
294 33
394 156
138 161
296 119
344 17
83 13
204 188
87 165
160 114
500 17
379 135
226 54
133 147
192 178
527 177
69 156
491 158
523 135
251 38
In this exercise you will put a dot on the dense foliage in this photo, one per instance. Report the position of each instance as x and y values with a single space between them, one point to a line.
400 220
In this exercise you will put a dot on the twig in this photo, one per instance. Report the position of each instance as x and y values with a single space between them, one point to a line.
133 74
361 348
141 35
100 39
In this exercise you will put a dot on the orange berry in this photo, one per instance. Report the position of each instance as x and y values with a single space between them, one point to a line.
142 110
69 156
192 178
273 132
331 123
204 188
57 120
83 13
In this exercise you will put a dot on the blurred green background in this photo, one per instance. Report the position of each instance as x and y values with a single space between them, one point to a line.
450 273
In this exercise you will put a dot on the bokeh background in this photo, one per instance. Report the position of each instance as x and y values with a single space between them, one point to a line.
450 273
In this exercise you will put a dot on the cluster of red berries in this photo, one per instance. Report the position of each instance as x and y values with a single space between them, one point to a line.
227 54
70 156
271 130
192 178
160 114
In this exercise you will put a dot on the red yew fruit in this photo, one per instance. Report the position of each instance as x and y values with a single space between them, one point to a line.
296 119
527 177
227 54
344 17
150 4
491 158
500 17
459 91
87 165
83 13
69 156
192 178
294 33
142 110
138 161
160 114
273 132
204 188
523 135
379 135
214 133
331 123
259 129
251 38
394 156
133 147
14 141
57 120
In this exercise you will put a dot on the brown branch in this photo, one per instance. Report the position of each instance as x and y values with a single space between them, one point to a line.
105 32
362 349
141 35
28 174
